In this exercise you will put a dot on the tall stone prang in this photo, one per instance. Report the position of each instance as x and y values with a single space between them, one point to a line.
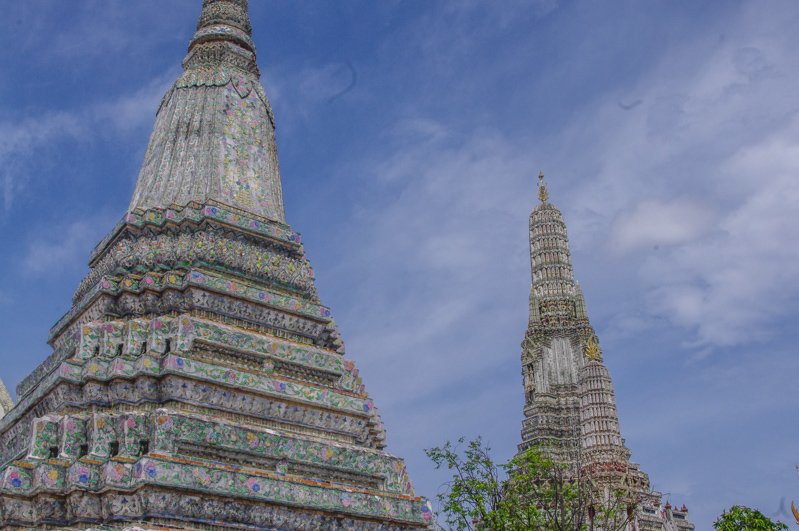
198 382
570 406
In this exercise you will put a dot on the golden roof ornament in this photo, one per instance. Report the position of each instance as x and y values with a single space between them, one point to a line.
592 350
543 195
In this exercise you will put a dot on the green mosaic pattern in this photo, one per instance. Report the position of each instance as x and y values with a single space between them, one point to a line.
160 466
171 429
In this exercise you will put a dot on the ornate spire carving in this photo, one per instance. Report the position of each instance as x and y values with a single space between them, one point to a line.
6 404
224 35
592 350
570 406
214 134
549 250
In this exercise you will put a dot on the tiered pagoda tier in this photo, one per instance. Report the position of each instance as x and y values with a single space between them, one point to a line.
570 407
198 382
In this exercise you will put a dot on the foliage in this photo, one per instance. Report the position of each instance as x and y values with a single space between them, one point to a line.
739 518
530 492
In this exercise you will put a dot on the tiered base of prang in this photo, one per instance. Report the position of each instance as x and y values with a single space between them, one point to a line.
198 383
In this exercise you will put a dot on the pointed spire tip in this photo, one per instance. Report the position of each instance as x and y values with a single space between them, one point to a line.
543 194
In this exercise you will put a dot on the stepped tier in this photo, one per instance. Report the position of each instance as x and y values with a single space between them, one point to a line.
198 374
198 382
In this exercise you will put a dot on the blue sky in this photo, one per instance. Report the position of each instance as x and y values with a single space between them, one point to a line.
409 135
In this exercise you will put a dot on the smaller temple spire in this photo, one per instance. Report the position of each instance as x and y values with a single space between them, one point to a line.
549 250
543 194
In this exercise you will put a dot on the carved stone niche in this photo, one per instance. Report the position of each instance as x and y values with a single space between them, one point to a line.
50 509
18 511
84 507
118 505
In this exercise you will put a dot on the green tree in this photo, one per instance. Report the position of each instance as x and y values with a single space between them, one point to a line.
529 492
739 518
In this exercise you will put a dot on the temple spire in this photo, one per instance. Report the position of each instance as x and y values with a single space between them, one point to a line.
214 135
550 258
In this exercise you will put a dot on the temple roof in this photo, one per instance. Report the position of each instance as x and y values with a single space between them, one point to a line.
214 133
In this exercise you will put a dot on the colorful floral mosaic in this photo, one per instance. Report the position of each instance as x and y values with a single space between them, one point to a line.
210 247
172 429
259 294
197 377
157 466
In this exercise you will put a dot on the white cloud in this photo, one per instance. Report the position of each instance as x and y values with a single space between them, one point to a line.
732 286
19 141
96 29
655 223
448 227
65 248
136 110
26 140
704 173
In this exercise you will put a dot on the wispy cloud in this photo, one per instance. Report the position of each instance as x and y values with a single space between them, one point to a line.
452 227
19 141
66 248
54 32
655 223
26 141
705 175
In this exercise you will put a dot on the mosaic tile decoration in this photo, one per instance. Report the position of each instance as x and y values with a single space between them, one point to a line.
232 158
198 213
129 469
198 381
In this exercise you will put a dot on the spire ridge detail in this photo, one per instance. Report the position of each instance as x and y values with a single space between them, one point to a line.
223 36
214 134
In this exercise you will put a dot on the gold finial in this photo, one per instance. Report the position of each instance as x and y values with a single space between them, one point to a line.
543 195
592 350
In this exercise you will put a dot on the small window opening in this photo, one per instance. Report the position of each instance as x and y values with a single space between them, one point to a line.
53 453
144 447
83 451
144 348
119 349
97 350
114 449
168 347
